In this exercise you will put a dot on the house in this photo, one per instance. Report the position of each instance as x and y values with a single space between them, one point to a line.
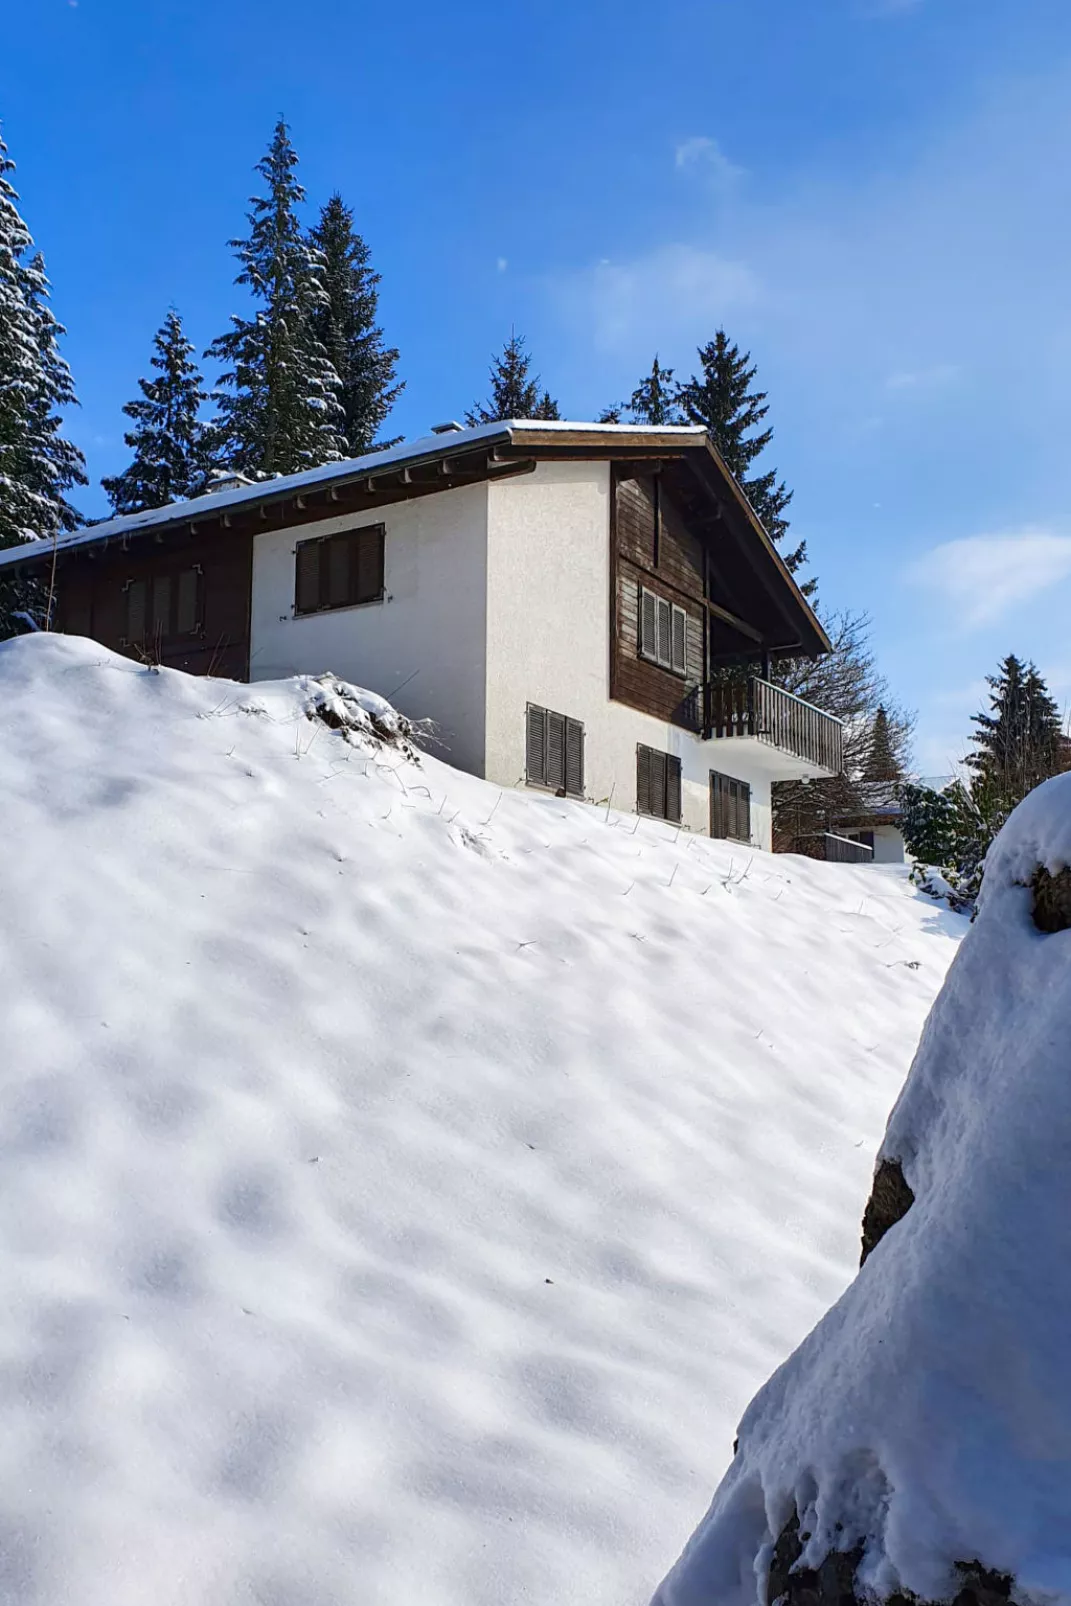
592 609
875 822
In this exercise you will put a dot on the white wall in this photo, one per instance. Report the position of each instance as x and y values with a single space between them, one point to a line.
548 642
424 646
888 845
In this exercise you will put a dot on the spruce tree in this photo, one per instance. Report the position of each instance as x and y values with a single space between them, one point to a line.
515 391
881 762
170 444
654 401
37 464
1018 741
279 411
720 398
346 327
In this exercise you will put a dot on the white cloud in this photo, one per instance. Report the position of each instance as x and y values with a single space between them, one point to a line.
670 298
984 576
934 377
503 264
704 154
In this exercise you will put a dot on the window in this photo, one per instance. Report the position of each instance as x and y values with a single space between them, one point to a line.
730 807
339 571
164 607
554 751
658 784
663 632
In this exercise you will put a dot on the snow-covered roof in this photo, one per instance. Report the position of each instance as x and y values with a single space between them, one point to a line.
427 447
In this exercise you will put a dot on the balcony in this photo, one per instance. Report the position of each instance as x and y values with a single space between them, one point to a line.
792 739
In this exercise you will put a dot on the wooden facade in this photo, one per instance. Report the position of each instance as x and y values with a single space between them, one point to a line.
666 539
180 603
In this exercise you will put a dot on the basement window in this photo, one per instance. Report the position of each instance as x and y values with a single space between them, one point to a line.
339 571
663 632
730 808
658 784
554 751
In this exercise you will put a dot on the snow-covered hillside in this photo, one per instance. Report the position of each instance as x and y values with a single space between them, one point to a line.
405 1185
922 1432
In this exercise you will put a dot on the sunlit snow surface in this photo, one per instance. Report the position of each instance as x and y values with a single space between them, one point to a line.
405 1185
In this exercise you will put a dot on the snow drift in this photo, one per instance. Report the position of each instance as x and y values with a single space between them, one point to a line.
405 1184
920 1437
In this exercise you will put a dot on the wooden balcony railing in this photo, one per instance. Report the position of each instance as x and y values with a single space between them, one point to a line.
757 708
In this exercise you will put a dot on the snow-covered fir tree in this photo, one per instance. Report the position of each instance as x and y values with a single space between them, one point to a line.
347 329
279 406
720 398
515 391
38 465
170 443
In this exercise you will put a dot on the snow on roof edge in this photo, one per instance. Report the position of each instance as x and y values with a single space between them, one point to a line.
424 445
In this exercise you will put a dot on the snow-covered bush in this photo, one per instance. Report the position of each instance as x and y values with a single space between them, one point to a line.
915 1447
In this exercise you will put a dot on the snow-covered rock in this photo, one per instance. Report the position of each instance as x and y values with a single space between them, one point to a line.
404 1184
919 1440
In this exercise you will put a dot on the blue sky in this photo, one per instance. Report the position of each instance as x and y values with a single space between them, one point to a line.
872 195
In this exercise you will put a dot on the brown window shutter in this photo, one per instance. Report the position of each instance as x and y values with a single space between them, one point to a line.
186 620
161 605
673 789
556 751
745 812
339 556
574 758
137 605
643 780
368 578
665 646
719 806
535 745
307 577
679 653
648 623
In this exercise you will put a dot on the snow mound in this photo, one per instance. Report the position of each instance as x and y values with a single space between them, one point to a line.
924 1426
405 1183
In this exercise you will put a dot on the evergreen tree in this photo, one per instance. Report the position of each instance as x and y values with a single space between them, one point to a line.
881 762
280 410
515 391
170 444
37 464
346 328
720 398
1018 742
654 401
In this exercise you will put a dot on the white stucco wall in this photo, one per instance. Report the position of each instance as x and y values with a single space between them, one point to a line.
424 646
548 642
888 845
